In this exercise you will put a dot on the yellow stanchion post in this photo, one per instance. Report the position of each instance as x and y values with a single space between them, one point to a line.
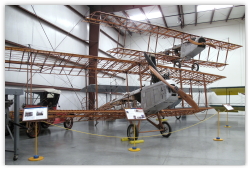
218 129
36 157
134 148
227 126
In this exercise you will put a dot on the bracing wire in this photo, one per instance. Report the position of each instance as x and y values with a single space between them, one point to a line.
42 28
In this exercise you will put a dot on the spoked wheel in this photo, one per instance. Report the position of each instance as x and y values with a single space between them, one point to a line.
132 132
31 129
166 130
68 123
195 67
178 117
177 64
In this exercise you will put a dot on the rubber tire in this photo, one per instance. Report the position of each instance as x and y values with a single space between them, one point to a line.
167 128
177 64
193 67
130 132
178 117
68 123
31 133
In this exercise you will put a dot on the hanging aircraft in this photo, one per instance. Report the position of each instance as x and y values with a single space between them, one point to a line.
180 55
188 50
163 90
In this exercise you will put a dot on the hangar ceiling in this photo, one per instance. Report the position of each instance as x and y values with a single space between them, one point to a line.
173 15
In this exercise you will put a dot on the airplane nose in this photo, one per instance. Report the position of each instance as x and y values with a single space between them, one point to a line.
201 40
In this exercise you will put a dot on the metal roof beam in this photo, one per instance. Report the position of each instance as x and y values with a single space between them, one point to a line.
115 8
163 17
145 15
180 13
212 16
230 10
111 38
196 15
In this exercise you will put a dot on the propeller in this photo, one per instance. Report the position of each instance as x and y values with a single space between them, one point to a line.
201 43
183 95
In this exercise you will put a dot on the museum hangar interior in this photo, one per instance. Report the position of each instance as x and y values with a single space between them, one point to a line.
125 85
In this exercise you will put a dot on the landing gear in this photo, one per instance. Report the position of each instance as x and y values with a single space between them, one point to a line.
178 117
132 132
166 132
195 67
68 123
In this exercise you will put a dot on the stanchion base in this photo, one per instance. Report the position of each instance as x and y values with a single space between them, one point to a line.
218 139
36 158
124 139
134 149
137 141
227 126
162 120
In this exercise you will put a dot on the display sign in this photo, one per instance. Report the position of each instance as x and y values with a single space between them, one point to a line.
228 106
135 114
35 113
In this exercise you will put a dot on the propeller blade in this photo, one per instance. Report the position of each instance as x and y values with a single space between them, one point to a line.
202 43
183 95
150 62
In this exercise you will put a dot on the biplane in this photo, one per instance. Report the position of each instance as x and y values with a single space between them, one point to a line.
159 99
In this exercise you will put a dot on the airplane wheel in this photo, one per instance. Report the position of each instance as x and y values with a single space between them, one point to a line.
132 132
167 129
178 117
31 131
177 64
68 123
195 67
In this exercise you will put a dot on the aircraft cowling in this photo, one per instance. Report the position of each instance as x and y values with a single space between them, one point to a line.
190 50
157 97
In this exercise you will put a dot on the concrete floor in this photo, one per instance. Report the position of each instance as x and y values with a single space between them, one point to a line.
192 146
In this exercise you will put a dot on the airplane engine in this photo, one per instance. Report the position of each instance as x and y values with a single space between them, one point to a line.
190 50
157 97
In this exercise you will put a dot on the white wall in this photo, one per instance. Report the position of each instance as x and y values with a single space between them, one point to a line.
25 29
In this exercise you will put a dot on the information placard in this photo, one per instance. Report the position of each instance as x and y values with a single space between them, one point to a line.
135 114
228 106
36 113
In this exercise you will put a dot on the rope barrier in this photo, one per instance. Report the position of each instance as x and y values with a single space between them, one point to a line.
130 137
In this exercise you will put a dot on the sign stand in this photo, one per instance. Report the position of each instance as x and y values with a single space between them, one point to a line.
35 114
135 114
218 129
36 157
228 107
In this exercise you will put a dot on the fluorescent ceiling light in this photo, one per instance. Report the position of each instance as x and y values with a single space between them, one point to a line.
154 15
211 7
139 17
150 15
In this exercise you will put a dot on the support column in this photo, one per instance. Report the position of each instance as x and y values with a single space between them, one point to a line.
94 31
16 128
